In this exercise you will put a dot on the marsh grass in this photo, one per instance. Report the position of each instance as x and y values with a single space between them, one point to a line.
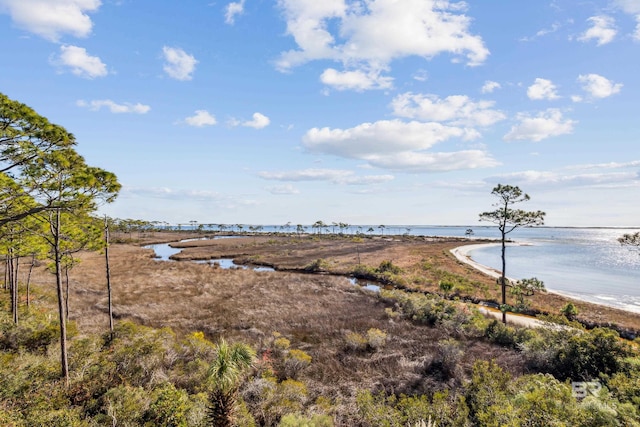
312 312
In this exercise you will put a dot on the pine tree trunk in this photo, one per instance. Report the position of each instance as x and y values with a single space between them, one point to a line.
64 362
33 263
108 271
6 273
15 290
66 293
12 286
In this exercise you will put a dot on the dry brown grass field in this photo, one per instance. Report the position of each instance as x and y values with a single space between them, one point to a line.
314 311
424 263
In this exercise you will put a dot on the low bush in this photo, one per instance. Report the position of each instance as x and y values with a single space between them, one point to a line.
355 341
318 265
376 339
295 362
297 420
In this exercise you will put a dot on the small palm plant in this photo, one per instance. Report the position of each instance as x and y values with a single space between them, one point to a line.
226 371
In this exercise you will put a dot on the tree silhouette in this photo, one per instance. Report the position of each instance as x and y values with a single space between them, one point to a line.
631 240
509 219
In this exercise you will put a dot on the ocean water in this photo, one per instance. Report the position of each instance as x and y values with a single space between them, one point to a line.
588 264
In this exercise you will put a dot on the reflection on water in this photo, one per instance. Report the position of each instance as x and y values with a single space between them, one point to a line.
227 263
163 251
364 284
587 264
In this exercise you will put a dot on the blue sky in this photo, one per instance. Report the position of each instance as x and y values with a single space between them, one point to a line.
364 112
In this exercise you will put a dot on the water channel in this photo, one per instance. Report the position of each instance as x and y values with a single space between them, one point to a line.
164 252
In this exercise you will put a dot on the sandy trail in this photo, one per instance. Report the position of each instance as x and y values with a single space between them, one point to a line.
462 253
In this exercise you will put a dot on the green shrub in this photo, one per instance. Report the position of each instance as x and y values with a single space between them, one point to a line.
501 334
378 409
543 400
271 400
449 356
296 361
569 311
281 343
168 408
142 354
388 267
10 419
318 266
34 333
376 339
297 420
446 287
67 417
125 405
355 341
577 355
488 396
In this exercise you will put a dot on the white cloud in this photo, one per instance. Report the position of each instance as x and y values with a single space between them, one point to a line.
367 180
489 86
80 62
421 75
178 64
382 137
456 109
557 180
610 165
200 119
542 89
52 18
543 32
369 35
96 105
355 80
307 175
259 121
283 189
335 176
233 9
602 30
598 86
223 201
631 7
545 125
421 162
398 145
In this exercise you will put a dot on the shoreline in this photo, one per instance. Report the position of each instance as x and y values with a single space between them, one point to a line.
463 254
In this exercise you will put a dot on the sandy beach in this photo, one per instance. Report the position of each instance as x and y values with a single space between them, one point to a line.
462 253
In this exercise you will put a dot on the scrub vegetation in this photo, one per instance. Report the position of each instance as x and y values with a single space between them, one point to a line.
90 337
337 356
